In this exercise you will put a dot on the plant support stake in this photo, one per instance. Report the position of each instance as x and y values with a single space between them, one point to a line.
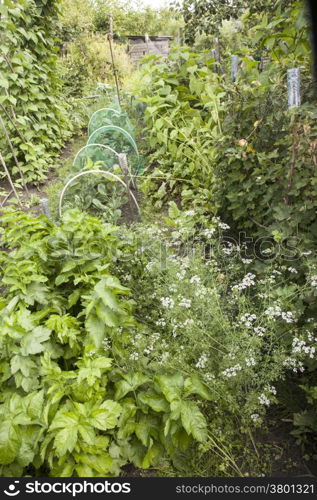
115 71
45 208
10 179
234 67
293 86
14 155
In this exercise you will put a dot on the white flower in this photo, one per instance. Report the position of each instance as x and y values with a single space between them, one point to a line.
187 322
134 356
247 319
209 232
149 266
223 226
247 281
232 371
201 291
271 389
255 416
189 212
247 261
292 270
201 363
195 279
185 303
106 344
250 361
181 274
289 317
313 280
259 330
167 302
228 249
294 364
267 250
299 346
160 322
273 312
164 357
264 400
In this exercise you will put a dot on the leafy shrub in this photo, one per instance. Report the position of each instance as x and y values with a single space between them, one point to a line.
183 121
71 405
87 61
30 86
210 309
221 147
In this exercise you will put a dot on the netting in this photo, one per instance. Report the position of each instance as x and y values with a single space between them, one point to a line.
105 156
99 183
120 140
98 192
110 116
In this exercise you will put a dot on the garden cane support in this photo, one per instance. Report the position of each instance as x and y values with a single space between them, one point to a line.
115 71
10 179
14 155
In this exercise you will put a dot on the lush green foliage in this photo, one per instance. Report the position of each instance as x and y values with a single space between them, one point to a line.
128 19
71 405
235 149
86 61
206 16
170 344
32 107
184 122
217 143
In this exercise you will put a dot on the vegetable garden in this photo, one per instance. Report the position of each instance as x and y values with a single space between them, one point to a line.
158 304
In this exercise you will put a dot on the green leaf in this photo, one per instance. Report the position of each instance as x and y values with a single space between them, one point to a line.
35 404
107 416
100 463
31 343
4 83
87 433
154 401
23 364
193 421
171 386
153 455
65 440
102 363
9 442
107 296
96 329
130 383
193 385
173 210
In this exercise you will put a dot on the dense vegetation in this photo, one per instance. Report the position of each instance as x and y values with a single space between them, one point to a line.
32 107
181 339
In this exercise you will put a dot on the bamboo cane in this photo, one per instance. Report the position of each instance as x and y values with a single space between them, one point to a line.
14 156
110 39
10 179
11 120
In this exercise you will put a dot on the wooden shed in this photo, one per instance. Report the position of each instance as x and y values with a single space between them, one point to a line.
141 46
